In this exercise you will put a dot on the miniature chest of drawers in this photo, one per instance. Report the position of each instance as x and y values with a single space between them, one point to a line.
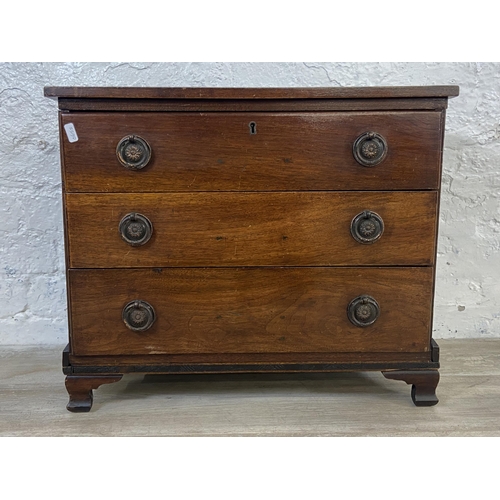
250 230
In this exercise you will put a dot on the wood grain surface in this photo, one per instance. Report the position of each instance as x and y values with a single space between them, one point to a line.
250 310
217 152
251 229
130 363
252 265
252 93
238 105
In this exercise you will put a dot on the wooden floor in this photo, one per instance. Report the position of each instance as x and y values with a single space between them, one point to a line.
33 400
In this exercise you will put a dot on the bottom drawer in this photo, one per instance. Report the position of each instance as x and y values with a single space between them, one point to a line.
249 310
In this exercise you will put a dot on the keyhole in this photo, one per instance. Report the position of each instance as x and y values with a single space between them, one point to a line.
253 128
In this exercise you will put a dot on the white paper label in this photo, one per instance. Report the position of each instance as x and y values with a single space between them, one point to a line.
71 132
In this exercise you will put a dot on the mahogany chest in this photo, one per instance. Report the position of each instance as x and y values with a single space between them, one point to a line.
215 230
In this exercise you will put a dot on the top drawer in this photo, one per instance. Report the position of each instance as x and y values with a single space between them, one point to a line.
253 151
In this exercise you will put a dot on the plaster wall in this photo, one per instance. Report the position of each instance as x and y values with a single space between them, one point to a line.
32 283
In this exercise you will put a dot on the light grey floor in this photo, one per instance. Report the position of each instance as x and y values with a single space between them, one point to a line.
33 400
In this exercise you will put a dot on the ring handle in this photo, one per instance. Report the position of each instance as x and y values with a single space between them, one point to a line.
369 149
138 315
135 229
363 311
367 227
133 152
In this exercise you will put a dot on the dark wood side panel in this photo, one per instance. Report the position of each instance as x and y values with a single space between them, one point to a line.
217 152
251 229
65 227
250 310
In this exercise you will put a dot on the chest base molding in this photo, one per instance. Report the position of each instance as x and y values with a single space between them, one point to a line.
84 374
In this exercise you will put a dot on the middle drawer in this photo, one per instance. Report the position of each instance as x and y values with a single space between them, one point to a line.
251 229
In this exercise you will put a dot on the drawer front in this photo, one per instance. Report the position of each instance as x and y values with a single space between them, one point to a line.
252 229
225 152
249 310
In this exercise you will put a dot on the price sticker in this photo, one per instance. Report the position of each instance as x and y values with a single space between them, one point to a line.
71 132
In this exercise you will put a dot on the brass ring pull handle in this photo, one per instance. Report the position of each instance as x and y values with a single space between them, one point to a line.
135 229
363 311
369 149
367 227
138 315
133 152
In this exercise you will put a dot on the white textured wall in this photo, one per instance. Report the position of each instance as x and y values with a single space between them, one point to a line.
32 287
